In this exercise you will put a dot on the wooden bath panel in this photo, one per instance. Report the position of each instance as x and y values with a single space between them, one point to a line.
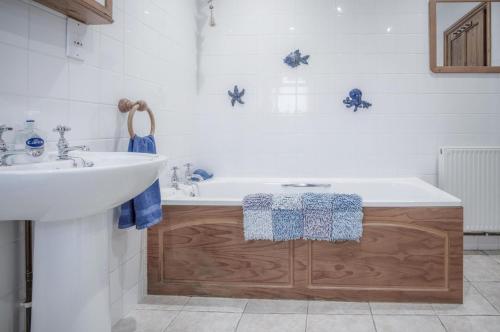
395 256
406 254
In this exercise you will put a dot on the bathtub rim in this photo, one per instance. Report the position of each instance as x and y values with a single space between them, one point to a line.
447 200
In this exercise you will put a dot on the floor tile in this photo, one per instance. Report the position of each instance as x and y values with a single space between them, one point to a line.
481 268
162 302
145 321
191 321
382 308
474 304
338 308
471 323
408 324
491 291
496 258
272 323
340 323
215 304
276 307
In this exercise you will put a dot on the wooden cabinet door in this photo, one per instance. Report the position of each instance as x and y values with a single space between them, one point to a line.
457 51
467 42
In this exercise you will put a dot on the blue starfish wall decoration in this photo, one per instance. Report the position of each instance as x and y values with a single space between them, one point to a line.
355 99
295 59
236 95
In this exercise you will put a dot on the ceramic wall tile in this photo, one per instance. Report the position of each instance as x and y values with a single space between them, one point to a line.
377 46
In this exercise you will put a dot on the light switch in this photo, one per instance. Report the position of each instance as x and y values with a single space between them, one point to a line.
75 39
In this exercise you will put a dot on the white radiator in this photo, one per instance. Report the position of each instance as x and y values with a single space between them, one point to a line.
473 175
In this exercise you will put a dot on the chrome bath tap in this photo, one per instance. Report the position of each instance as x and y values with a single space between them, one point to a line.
188 174
174 180
188 180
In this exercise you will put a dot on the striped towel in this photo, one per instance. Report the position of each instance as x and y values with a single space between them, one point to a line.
347 222
309 216
257 217
288 219
318 216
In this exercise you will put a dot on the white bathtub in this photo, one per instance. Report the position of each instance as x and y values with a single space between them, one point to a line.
376 192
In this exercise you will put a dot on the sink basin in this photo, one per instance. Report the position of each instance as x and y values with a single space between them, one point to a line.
70 205
55 190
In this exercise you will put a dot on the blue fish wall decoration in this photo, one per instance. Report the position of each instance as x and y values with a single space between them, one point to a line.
295 59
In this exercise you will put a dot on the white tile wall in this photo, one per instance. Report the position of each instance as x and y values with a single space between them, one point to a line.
294 122
148 53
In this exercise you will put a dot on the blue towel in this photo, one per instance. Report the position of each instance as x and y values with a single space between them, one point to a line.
201 175
287 216
347 218
144 210
257 217
318 216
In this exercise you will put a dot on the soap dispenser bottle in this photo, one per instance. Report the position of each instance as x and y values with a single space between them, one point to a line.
32 140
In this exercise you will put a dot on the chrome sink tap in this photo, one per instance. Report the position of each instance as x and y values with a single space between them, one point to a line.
5 153
63 147
3 145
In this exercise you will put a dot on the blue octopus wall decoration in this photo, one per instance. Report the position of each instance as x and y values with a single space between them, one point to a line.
295 59
236 95
355 99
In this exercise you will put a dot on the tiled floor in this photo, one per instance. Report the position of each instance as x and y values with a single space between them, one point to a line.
480 311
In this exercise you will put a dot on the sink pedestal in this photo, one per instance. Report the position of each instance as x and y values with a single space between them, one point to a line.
70 276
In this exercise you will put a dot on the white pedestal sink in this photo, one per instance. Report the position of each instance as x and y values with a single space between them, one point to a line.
68 206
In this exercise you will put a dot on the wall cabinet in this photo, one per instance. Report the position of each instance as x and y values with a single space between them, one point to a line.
86 11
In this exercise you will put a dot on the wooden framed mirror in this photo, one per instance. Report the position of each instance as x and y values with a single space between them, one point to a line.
464 36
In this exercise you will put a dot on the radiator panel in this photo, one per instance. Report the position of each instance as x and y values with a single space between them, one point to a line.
473 175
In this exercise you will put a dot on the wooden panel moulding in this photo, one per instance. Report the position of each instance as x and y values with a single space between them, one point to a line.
405 255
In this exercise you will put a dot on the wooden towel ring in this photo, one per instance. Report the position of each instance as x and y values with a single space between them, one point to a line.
125 105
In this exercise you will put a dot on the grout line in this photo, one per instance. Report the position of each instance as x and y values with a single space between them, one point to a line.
406 314
241 316
185 303
468 315
442 324
177 315
220 312
434 309
262 313
371 315
307 315
484 297
350 314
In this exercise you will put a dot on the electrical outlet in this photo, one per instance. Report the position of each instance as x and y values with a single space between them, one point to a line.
75 39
